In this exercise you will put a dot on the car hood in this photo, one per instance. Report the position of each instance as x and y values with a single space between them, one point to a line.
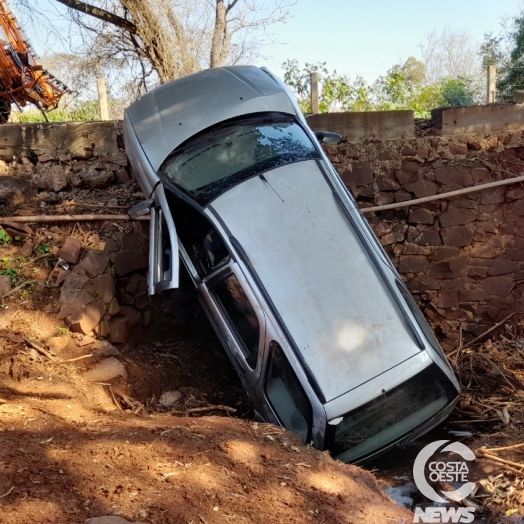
328 292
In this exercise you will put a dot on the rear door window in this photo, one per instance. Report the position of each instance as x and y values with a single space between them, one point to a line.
286 395
241 315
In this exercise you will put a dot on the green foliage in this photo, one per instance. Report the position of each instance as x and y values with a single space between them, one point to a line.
457 92
84 112
403 87
62 330
43 248
4 237
506 52
11 272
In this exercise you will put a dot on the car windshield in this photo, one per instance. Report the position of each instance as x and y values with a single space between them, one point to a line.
391 416
221 158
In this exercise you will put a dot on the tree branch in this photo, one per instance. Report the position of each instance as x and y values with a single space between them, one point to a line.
231 5
101 14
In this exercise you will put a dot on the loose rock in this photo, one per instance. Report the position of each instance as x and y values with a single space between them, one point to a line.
57 344
70 251
107 369
169 398
5 284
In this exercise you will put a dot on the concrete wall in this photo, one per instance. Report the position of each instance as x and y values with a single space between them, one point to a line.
462 258
478 119
76 139
379 124
388 125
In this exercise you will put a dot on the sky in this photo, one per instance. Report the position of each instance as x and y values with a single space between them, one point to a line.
359 38
367 37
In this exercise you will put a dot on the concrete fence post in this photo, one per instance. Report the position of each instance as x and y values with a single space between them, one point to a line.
492 84
102 99
314 93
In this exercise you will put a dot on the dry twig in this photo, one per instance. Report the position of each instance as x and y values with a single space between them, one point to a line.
496 463
20 286
186 412
504 448
78 358
36 345
491 456
482 335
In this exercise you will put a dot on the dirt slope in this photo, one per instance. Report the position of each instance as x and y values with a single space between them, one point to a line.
68 453
71 449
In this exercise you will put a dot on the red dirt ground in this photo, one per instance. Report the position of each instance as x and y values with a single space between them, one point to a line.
71 449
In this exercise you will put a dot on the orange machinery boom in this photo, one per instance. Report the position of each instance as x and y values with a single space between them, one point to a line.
22 79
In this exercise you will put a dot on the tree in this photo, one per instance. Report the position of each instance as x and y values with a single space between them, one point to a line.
506 52
413 71
450 54
403 87
167 39
457 92
336 92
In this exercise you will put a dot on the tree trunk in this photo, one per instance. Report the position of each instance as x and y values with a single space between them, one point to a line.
216 58
160 47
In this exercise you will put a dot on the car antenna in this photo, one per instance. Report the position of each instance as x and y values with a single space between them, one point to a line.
262 177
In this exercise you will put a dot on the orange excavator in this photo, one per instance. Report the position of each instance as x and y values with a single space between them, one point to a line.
22 79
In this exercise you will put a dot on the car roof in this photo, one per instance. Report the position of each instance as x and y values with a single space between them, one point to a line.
170 114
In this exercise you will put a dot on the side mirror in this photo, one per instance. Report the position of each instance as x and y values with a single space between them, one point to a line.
140 209
326 137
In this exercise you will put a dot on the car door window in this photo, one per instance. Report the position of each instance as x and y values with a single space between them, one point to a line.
163 246
203 244
241 314
286 395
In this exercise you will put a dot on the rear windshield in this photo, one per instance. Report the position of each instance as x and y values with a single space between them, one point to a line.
391 416
221 158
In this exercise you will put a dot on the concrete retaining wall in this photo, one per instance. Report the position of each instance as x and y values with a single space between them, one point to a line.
379 124
478 119
73 139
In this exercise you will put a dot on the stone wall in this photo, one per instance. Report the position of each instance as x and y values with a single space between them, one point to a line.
463 257
92 277
103 289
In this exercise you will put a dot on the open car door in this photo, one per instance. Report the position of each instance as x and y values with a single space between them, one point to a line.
163 242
